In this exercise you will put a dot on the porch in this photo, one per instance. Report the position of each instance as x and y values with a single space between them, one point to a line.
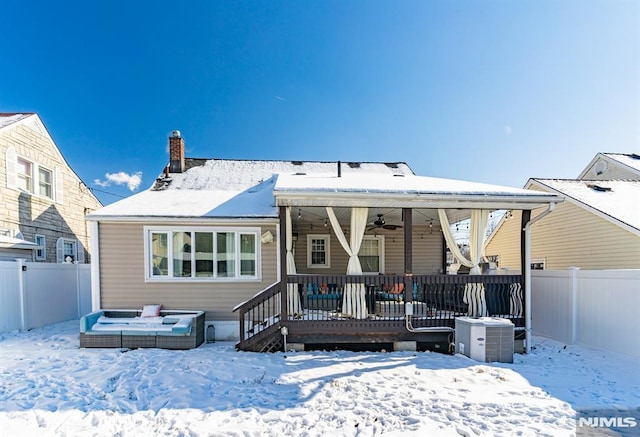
320 322
405 221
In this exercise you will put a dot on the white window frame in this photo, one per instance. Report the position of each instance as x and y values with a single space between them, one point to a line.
169 230
380 240
327 249
14 176
38 191
42 247
60 253
20 176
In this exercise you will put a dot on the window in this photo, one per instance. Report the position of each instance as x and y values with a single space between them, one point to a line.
30 177
25 175
318 251
69 251
45 178
202 253
537 264
371 254
41 251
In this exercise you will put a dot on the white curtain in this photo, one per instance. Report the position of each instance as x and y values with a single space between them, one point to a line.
479 222
354 303
293 298
474 294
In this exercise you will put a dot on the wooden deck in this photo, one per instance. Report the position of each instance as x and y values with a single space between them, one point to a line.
436 299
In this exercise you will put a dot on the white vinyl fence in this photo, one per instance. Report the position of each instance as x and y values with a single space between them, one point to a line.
596 308
33 295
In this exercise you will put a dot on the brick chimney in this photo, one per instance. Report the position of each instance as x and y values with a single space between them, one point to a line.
176 152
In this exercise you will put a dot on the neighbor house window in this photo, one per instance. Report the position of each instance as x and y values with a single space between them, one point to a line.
371 254
70 251
318 251
202 253
67 251
25 175
41 251
45 179
537 264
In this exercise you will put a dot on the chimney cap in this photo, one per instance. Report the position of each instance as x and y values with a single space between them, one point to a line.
175 134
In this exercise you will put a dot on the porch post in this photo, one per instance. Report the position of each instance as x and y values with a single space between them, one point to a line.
407 217
282 214
526 218
525 266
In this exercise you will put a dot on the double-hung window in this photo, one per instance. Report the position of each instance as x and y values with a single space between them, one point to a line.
318 251
371 254
41 251
34 178
25 175
45 180
202 253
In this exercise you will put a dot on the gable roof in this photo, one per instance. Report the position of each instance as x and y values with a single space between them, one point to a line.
225 188
7 118
615 200
629 162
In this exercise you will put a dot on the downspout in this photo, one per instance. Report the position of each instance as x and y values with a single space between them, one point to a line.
527 275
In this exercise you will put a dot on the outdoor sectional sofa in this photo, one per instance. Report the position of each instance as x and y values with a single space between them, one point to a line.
170 329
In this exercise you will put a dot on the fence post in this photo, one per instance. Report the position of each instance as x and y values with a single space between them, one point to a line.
574 303
78 296
22 268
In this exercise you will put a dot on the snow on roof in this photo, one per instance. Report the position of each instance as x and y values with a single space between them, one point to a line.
229 188
246 189
225 174
7 118
629 159
408 184
16 243
617 199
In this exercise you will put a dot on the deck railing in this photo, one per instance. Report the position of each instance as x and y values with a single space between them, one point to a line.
437 301
436 297
259 314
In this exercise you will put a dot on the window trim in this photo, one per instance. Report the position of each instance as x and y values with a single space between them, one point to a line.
327 249
34 179
169 230
41 247
42 168
380 240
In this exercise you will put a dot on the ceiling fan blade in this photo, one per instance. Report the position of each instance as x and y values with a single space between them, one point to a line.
392 227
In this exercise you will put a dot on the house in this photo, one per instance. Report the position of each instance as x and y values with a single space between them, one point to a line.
43 200
305 252
597 227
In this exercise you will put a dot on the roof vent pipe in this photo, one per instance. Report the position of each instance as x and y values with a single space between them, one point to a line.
339 169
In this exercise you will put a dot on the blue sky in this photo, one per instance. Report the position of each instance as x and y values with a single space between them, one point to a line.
485 91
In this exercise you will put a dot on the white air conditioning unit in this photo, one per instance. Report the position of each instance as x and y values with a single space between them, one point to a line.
209 332
485 339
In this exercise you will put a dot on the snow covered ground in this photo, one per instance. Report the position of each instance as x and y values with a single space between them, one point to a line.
48 386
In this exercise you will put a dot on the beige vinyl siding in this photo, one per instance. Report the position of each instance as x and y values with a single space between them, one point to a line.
427 251
613 171
123 283
569 236
506 243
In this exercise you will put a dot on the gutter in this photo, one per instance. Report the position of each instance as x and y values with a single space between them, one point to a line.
527 275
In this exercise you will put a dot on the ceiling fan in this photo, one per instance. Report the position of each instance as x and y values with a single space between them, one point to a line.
380 223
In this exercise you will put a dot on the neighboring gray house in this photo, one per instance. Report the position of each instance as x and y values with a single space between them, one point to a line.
43 200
